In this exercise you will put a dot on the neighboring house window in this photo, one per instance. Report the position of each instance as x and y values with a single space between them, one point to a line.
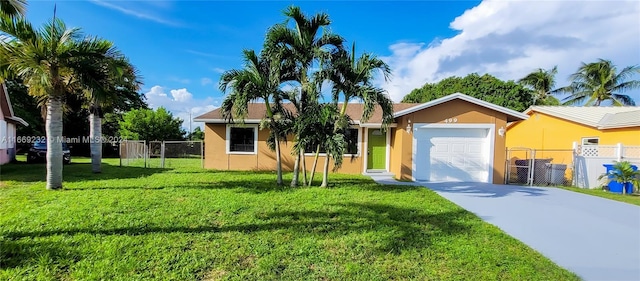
11 138
590 146
352 136
590 141
4 137
242 139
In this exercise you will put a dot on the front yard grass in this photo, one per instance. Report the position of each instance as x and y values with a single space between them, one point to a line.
633 198
132 223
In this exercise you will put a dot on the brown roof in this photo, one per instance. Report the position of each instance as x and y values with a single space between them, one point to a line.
4 103
257 111
7 111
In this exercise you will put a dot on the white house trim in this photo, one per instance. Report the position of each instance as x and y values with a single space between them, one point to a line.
375 125
491 139
224 121
366 146
255 139
465 98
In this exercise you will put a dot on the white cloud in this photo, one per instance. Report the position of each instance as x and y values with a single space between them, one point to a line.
509 39
206 81
218 70
135 13
181 95
180 102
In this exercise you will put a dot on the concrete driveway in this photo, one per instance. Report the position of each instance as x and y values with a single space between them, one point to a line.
597 238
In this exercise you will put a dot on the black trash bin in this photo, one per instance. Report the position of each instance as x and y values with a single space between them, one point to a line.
522 170
540 170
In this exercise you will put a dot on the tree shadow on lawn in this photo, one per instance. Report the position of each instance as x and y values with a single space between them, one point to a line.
396 228
74 172
17 253
254 182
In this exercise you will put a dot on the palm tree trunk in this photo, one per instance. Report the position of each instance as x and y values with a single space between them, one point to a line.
296 169
304 169
53 125
315 163
278 162
325 175
95 125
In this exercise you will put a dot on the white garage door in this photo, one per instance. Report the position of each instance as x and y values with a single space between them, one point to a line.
457 154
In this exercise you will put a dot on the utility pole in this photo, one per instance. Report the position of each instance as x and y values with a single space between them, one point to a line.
190 131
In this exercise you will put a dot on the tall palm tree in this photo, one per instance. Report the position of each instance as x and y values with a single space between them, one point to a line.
302 47
599 81
542 82
258 80
13 8
44 59
104 82
353 78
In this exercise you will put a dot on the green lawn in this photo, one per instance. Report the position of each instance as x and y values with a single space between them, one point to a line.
132 223
627 198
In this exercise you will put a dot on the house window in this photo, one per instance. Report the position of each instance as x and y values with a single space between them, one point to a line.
590 147
3 134
352 137
242 140
590 141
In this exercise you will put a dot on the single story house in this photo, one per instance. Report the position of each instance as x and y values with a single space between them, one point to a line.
558 127
8 123
453 138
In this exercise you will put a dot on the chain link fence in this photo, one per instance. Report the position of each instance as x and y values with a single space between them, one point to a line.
162 154
540 166
133 153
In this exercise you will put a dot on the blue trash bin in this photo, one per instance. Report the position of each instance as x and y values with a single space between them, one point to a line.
615 186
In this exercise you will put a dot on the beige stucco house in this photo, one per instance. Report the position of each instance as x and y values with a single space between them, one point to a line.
453 138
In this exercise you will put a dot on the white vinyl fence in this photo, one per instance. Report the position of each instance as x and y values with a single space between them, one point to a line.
591 158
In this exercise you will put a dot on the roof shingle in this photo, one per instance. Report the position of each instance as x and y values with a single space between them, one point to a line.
257 111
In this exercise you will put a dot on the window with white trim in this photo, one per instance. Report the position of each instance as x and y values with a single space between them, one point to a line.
590 141
351 135
4 138
590 146
242 139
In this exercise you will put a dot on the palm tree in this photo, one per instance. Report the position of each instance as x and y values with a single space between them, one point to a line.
301 47
44 59
103 83
259 80
599 81
13 8
542 83
353 78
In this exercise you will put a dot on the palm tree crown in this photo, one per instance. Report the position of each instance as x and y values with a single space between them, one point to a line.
48 60
258 80
599 81
13 8
542 82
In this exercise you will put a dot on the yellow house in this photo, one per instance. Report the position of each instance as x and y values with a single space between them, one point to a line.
453 138
558 127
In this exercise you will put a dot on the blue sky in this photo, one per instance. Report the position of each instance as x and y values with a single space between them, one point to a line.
181 47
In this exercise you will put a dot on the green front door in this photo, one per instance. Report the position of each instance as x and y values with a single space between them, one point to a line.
377 150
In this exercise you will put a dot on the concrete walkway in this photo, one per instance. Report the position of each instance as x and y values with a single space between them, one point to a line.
597 238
